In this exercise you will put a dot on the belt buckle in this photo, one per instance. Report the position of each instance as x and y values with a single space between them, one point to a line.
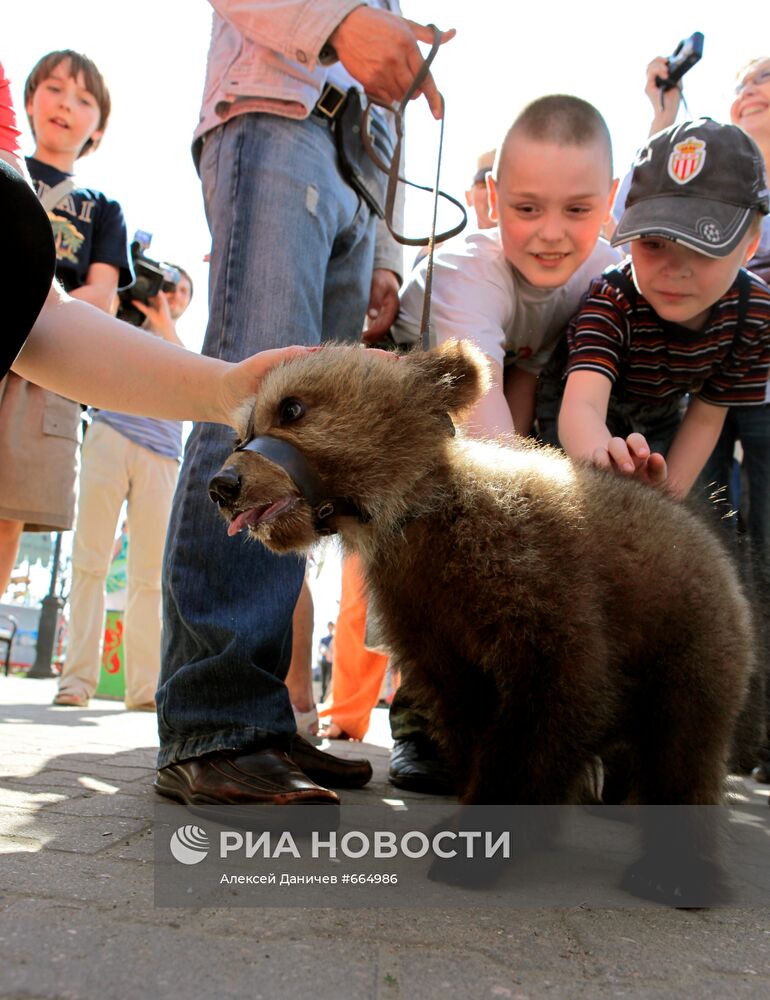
330 101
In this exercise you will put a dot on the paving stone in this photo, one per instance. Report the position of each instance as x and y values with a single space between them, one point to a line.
129 961
83 835
78 920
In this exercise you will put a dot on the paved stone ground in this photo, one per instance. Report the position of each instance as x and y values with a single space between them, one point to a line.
77 918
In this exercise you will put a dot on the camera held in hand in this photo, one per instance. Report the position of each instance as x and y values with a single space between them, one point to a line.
684 57
152 276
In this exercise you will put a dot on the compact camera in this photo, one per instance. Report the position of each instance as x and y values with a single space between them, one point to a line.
152 276
683 58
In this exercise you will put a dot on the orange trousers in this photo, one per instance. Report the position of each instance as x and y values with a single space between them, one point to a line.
357 672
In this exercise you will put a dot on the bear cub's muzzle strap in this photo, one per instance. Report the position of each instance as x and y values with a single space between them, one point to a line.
306 479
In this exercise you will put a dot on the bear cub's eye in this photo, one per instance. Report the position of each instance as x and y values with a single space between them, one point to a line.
290 410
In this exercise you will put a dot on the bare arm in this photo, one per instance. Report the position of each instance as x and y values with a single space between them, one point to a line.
100 286
85 354
664 115
17 163
584 434
693 444
377 48
520 395
583 428
491 415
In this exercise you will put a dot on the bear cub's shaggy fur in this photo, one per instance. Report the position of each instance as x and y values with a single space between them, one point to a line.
542 608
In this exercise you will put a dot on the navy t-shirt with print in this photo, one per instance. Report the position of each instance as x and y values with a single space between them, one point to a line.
88 228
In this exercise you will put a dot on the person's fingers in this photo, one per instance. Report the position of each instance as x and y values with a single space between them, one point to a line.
374 330
657 469
380 354
601 458
382 309
638 447
424 32
377 325
431 94
143 309
159 303
428 88
382 315
620 455
658 67
394 86
391 89
294 351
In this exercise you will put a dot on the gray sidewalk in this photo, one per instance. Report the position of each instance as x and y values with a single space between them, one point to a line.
78 920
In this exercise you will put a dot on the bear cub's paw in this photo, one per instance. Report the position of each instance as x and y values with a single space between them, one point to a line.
691 883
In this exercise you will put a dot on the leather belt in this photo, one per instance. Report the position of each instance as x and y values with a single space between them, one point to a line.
330 104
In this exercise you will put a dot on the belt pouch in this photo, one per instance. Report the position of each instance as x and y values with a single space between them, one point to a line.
356 166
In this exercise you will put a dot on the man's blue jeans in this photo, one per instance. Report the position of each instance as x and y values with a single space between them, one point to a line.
751 426
291 263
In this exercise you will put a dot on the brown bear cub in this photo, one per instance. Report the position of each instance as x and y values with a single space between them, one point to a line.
544 609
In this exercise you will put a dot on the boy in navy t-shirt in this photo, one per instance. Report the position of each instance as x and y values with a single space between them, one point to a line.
68 105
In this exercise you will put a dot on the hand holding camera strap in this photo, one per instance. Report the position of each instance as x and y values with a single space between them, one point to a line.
677 86
394 177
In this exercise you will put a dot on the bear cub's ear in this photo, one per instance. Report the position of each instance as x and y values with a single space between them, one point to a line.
459 372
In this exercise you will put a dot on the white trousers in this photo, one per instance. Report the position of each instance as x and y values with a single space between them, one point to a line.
114 469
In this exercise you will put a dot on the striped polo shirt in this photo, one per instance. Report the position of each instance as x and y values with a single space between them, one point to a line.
649 359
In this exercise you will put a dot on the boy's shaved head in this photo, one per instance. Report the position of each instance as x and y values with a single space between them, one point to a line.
559 119
552 188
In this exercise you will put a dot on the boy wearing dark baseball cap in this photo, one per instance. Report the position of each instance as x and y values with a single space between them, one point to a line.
679 317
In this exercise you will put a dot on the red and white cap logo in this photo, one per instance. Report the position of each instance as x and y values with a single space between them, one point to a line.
687 160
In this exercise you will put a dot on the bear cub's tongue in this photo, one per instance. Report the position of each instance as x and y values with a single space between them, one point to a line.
246 519
253 516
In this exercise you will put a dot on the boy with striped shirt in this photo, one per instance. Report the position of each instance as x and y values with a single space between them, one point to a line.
680 317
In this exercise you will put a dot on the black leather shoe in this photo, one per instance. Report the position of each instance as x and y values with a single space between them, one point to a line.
416 765
242 778
327 769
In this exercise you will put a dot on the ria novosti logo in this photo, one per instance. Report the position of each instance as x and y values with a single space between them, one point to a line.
189 844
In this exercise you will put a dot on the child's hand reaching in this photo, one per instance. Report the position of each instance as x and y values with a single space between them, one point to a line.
632 457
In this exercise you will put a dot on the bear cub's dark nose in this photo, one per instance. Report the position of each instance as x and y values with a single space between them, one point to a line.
225 486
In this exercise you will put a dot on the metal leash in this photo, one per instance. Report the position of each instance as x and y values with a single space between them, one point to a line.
394 177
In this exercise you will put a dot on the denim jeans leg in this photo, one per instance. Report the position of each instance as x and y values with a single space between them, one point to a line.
280 217
753 423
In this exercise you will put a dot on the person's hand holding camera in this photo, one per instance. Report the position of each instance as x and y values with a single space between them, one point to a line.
665 103
160 319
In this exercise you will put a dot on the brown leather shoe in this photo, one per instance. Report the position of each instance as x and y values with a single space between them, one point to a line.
327 769
243 778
